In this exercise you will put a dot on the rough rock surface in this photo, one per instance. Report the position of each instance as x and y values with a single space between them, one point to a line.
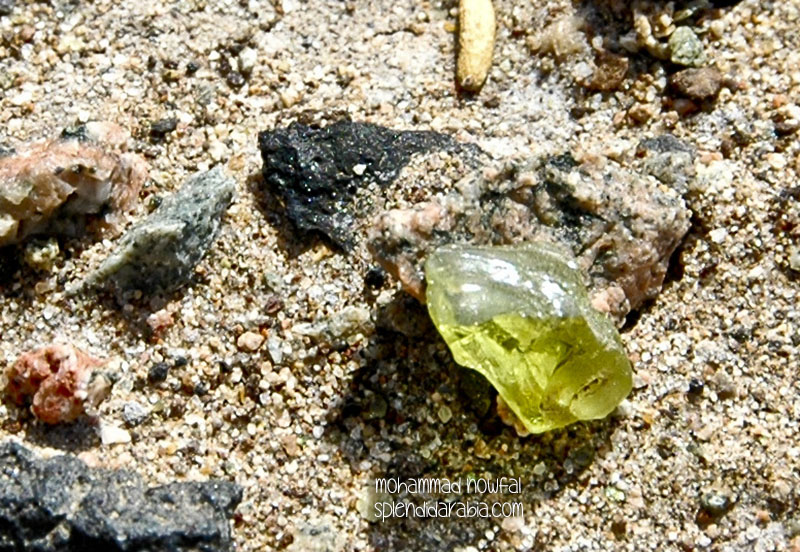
725 327
57 377
44 185
159 253
60 504
317 171
621 225
697 83
685 48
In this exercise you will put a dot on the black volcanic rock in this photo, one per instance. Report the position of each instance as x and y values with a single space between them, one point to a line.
60 504
316 172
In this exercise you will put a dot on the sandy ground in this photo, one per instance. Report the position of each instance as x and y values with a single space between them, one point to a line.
307 426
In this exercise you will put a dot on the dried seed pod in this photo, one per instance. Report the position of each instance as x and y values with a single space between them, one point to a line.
476 42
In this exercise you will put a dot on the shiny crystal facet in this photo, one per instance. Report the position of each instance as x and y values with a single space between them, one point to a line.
521 316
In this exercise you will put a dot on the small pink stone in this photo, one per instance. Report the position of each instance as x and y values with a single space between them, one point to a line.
57 376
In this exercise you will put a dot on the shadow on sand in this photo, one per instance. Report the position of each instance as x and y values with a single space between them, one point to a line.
411 413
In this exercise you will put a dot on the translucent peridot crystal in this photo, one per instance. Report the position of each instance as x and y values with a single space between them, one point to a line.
521 316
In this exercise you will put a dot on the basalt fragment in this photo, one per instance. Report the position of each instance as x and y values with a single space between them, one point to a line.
61 504
317 172
521 316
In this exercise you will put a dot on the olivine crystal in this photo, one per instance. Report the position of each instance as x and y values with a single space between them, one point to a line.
521 316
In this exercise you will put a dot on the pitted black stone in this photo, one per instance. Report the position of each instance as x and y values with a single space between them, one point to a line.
314 170
60 504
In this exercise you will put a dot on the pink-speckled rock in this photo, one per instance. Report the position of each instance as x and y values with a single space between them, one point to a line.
622 223
57 377
76 174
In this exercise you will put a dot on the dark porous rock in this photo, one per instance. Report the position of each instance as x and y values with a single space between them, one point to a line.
375 277
317 172
158 372
609 74
621 223
159 253
697 84
159 129
6 7
60 504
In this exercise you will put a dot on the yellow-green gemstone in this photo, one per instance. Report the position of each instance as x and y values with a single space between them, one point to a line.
521 316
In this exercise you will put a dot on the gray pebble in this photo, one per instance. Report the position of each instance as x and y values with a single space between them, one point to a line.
134 413
159 253
274 347
715 503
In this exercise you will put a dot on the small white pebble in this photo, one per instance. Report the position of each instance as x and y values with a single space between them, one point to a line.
218 151
794 259
113 435
22 98
285 419
247 60
776 160
717 28
718 235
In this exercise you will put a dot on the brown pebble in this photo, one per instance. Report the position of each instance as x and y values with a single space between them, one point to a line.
610 72
698 84
273 304
27 32
684 107
289 443
641 112
619 527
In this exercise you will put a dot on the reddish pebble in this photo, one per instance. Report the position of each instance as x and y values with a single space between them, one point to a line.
57 376
160 320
